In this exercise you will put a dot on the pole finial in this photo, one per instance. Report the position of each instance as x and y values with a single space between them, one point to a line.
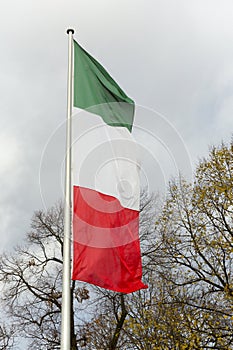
70 30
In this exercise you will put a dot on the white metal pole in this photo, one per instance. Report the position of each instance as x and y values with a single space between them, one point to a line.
66 277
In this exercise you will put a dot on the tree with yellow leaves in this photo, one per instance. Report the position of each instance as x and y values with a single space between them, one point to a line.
196 252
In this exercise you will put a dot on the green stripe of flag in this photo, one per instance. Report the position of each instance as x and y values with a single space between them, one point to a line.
95 90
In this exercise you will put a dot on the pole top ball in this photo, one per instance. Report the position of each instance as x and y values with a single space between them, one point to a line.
70 31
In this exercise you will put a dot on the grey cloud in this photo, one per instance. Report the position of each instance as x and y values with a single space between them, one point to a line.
174 57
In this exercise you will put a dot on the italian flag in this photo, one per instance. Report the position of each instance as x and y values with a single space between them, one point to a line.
106 189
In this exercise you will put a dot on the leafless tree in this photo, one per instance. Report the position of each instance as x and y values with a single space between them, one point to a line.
31 276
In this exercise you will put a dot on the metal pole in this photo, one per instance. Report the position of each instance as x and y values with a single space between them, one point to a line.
66 277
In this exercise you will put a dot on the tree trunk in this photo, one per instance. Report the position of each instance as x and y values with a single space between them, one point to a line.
119 325
74 345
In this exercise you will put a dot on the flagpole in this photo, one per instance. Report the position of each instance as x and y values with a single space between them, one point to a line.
66 277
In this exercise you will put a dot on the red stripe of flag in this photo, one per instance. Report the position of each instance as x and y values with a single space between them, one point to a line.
106 242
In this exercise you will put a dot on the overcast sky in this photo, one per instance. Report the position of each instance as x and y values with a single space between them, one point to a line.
174 58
